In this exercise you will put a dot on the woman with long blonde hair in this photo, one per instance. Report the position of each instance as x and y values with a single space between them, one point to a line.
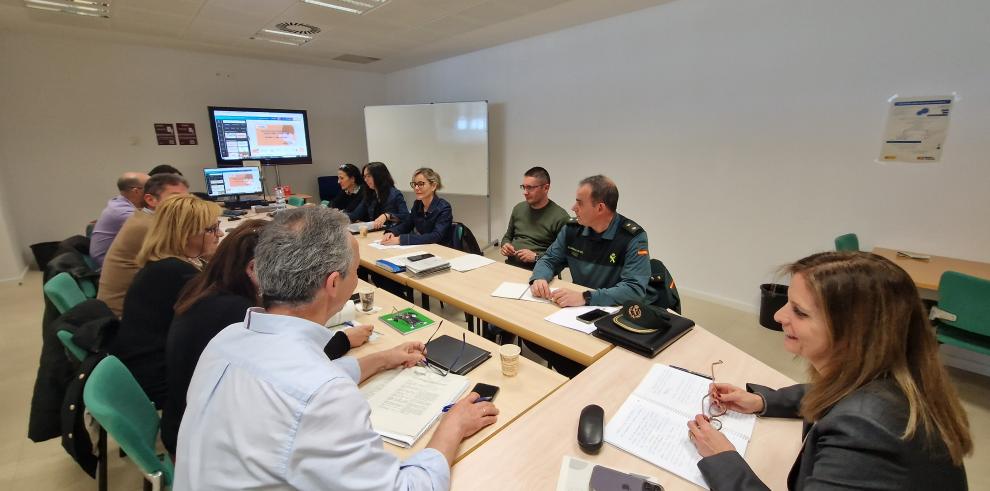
185 233
879 409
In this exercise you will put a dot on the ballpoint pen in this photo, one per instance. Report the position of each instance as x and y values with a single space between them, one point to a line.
480 399
692 372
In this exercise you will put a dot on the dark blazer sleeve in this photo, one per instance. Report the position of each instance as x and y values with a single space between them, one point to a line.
728 470
395 206
338 346
780 403
360 213
441 228
405 225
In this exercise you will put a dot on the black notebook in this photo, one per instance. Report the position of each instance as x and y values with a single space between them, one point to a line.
443 351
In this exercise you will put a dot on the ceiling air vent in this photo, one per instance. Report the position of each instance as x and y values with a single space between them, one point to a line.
357 59
298 28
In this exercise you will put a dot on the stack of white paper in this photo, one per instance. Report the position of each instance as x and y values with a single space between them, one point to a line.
406 402
567 317
468 262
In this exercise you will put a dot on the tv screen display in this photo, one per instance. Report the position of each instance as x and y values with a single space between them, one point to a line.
232 181
273 136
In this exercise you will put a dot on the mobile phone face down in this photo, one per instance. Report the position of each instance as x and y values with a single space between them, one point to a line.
420 257
605 479
591 316
485 390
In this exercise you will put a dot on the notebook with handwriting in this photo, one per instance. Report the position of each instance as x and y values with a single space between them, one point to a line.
407 402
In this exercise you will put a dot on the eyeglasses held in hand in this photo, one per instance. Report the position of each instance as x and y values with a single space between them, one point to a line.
711 406
441 370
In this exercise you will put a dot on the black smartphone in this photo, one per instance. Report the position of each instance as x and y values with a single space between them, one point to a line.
591 316
605 479
485 390
420 257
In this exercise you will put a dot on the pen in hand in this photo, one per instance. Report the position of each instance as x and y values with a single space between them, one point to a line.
480 399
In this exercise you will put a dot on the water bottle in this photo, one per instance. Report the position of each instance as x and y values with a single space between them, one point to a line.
279 199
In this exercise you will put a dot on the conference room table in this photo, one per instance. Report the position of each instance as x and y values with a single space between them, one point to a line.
927 273
528 454
516 395
471 292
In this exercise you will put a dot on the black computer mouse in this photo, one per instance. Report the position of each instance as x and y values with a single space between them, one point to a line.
591 428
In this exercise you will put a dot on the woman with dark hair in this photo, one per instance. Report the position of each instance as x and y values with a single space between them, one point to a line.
382 203
349 178
880 411
211 301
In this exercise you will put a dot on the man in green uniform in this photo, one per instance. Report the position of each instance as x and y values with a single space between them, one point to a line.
534 223
604 250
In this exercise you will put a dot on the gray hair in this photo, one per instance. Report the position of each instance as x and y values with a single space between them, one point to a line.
297 252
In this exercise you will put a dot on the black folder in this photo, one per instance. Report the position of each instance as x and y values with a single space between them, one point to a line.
443 351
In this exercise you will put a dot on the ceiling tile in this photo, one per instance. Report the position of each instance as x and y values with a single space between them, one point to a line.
175 7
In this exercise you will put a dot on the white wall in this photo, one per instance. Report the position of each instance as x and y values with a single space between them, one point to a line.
11 263
742 135
78 113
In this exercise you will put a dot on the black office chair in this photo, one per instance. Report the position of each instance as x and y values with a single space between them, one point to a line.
329 187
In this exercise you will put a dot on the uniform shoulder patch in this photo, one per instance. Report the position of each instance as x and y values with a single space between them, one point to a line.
631 227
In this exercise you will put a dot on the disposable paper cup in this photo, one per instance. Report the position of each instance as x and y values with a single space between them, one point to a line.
367 300
509 354
363 230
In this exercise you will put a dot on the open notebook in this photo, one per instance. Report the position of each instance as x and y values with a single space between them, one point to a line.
406 403
652 422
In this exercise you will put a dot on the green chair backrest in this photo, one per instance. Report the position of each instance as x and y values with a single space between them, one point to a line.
89 229
968 297
121 407
64 292
66 338
325 204
296 201
847 243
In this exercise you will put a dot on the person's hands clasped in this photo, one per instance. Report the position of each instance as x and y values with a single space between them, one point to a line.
526 255
508 249
358 335
471 416
706 438
737 399
567 298
389 239
405 355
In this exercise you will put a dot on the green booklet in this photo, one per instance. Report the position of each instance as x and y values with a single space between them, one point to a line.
406 320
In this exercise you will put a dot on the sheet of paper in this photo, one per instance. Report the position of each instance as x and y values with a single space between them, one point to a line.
916 129
468 262
567 317
510 290
407 405
378 245
528 296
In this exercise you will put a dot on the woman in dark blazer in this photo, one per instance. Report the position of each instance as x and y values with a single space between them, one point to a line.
350 196
879 411
431 218
382 203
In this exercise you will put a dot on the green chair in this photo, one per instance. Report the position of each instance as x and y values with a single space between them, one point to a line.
123 410
65 337
64 292
847 243
962 316
295 201
325 204
89 228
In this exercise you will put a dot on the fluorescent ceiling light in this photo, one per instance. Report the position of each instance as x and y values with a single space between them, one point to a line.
64 5
283 33
78 7
279 41
333 6
50 9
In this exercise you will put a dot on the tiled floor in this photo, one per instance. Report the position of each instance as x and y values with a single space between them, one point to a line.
25 465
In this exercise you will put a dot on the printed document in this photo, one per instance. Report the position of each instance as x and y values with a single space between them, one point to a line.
406 403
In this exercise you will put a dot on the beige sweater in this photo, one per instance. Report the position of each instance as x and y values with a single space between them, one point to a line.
120 264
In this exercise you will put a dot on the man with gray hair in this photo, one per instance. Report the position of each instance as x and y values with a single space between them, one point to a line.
267 409
118 209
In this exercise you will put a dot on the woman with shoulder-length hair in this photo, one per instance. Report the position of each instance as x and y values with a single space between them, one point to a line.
214 299
185 231
382 202
349 178
880 410
431 218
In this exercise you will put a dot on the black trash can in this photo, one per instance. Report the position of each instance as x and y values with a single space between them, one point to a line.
44 252
772 298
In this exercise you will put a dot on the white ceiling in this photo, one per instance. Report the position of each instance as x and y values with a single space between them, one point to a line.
403 33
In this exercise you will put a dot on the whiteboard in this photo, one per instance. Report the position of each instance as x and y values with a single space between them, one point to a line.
451 138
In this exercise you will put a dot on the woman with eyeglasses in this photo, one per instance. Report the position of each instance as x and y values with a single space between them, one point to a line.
382 203
431 217
349 178
879 410
184 233
214 299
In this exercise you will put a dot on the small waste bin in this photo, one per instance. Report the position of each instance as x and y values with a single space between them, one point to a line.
772 298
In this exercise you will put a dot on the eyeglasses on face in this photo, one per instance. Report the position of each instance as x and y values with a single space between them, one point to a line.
418 184
215 230
526 187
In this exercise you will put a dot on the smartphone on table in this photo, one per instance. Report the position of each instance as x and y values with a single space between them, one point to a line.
591 316
485 390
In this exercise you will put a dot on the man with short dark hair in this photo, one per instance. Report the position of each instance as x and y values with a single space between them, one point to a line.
120 263
605 252
534 223
118 209
266 408
164 169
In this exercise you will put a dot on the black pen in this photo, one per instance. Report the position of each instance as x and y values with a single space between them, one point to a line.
692 372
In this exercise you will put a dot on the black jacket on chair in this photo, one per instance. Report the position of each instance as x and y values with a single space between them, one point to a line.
856 445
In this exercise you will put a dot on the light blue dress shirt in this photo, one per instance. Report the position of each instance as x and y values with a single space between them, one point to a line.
266 409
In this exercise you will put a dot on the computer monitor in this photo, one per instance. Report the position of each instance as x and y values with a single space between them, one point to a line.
273 136
232 181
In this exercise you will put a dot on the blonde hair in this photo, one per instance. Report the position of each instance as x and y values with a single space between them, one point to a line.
177 219
878 329
430 175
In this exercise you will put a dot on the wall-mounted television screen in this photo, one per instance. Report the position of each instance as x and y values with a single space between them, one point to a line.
272 136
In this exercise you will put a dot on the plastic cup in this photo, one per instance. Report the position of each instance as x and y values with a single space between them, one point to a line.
367 300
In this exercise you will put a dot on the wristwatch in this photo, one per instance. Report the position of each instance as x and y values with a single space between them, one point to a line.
587 297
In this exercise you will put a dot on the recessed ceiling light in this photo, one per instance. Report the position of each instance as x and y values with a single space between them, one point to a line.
79 7
349 6
277 41
282 33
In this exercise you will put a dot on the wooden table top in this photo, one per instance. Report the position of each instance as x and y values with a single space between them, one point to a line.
471 292
516 394
926 274
528 454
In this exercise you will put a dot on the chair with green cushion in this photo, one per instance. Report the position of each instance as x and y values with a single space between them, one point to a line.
64 292
847 243
962 316
325 204
66 338
121 408
89 228
295 201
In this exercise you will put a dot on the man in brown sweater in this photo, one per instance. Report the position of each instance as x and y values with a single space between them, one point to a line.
120 264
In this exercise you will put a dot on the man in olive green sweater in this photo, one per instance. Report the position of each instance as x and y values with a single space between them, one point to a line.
534 223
